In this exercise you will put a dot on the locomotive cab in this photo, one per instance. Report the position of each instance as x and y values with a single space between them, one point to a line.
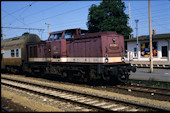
66 34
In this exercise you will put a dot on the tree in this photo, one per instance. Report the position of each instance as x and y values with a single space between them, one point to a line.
26 33
109 16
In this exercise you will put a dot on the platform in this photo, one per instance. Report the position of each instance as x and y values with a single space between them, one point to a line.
157 75
157 64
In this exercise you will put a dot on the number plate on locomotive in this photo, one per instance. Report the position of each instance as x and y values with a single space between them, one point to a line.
113 45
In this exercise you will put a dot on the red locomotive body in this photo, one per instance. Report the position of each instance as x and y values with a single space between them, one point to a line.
74 53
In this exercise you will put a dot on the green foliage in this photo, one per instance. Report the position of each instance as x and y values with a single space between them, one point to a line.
109 16
26 33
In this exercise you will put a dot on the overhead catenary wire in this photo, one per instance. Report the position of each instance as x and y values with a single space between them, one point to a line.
22 13
26 9
22 28
46 9
15 17
17 10
70 11
153 20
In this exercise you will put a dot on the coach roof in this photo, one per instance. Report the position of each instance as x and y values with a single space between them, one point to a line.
19 41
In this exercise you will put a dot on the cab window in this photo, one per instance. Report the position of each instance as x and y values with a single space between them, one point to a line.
68 35
58 36
51 37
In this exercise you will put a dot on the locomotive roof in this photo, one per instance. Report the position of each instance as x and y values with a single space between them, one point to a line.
55 32
19 41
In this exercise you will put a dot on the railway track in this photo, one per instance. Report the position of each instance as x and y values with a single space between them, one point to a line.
146 89
156 93
95 102
3 109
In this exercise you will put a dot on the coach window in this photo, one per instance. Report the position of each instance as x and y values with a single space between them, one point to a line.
17 53
12 53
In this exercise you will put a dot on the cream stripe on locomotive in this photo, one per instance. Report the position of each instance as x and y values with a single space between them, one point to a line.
78 59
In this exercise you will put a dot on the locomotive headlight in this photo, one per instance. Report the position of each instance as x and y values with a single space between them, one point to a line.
106 60
123 59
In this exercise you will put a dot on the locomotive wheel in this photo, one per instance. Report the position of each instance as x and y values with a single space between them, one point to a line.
64 75
106 78
123 78
14 70
8 68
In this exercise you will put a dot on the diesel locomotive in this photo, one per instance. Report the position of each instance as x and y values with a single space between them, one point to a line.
70 54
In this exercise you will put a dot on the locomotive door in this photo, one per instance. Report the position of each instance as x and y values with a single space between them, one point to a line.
47 55
47 51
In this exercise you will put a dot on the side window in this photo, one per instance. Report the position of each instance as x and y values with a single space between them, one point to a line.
12 53
59 36
68 35
17 53
135 52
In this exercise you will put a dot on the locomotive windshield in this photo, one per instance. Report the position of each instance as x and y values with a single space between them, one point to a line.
51 37
58 36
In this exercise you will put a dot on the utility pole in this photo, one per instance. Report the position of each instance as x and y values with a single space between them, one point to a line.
150 36
5 32
137 34
48 28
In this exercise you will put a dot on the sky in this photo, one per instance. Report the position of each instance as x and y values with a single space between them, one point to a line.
63 15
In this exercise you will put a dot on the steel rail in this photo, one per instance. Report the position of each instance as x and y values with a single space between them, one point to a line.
3 108
59 97
133 88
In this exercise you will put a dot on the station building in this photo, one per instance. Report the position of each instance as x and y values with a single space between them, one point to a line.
139 56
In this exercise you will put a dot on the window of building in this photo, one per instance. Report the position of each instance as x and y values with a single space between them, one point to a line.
135 53
164 51
17 53
145 49
12 53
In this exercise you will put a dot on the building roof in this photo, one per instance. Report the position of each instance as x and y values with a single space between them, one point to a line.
154 37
